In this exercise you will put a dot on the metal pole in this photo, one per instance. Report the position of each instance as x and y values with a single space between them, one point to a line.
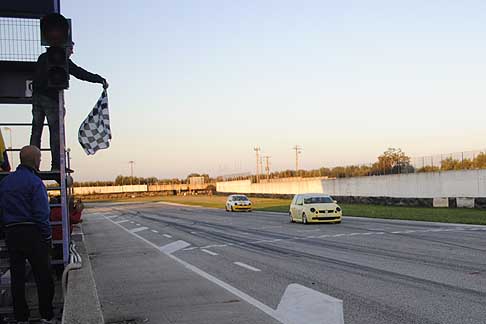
9 130
131 171
66 233
267 166
257 150
298 150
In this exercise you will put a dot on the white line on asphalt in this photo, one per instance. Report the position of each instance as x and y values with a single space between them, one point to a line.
191 248
173 247
111 217
193 232
167 235
209 252
155 231
122 221
137 224
132 222
249 267
138 229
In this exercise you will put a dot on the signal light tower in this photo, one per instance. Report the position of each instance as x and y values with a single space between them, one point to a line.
56 33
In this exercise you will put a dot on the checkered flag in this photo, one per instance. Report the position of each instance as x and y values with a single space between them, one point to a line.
94 133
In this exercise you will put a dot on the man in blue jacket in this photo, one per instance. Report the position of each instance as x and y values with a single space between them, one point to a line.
25 214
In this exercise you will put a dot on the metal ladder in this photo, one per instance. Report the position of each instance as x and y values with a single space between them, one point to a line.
66 191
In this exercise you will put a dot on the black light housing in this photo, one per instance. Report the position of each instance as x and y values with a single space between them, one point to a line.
57 68
55 30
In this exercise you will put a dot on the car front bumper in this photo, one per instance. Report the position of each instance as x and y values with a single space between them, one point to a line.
325 218
242 207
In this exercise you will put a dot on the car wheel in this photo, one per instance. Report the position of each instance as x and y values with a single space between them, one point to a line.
232 210
291 218
226 208
304 219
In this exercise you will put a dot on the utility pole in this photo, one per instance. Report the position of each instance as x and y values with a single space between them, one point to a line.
267 165
257 150
12 164
131 171
298 150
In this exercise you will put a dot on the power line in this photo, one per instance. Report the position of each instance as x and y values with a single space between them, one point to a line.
258 162
267 165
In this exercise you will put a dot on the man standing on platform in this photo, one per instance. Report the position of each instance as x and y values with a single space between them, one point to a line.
24 214
45 102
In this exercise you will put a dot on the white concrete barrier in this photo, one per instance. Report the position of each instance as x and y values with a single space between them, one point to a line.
109 189
463 183
440 202
465 202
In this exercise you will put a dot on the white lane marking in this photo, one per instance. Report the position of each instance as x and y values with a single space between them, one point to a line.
249 267
209 252
173 247
191 248
138 229
167 235
122 221
282 312
137 224
111 217
132 222
193 232
300 304
155 231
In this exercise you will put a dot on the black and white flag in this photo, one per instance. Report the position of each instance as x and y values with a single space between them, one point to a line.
95 133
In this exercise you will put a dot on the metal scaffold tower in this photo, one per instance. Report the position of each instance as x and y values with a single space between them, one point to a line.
20 46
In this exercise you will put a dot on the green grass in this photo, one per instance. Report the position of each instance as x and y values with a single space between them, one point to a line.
443 215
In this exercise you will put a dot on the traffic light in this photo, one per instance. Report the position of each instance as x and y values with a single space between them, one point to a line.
56 33
55 30
57 68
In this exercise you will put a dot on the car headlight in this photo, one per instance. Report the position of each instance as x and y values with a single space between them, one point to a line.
338 209
312 210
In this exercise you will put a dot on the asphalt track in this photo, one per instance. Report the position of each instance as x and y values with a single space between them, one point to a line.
384 271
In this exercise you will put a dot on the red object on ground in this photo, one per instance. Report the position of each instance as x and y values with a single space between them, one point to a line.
56 216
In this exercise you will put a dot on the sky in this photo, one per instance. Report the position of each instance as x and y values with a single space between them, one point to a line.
196 85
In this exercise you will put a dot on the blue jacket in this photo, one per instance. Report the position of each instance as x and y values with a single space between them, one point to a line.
23 199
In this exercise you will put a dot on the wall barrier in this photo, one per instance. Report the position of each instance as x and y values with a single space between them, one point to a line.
447 184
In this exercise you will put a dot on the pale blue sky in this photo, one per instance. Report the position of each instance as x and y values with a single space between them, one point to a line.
195 85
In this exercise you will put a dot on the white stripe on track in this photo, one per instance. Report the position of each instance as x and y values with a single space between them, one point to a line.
249 267
209 252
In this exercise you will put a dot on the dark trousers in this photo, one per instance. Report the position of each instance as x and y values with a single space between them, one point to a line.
24 242
44 107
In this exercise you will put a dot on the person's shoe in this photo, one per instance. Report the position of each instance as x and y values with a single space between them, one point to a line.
52 321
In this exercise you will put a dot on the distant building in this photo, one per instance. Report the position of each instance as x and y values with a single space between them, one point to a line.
197 180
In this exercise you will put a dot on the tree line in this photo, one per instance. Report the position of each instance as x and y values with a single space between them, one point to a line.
392 161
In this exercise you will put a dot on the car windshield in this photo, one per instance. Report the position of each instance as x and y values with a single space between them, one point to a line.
240 198
318 200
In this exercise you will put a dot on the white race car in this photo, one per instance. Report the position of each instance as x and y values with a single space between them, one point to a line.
238 202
